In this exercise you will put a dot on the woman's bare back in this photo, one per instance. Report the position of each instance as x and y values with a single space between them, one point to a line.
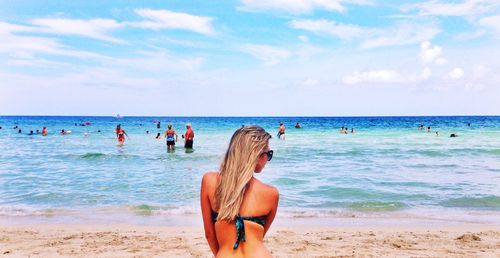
259 200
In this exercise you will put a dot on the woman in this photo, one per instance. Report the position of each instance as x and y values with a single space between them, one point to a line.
120 135
237 208
169 135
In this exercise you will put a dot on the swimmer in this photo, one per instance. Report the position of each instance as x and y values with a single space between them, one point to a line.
188 137
158 124
297 125
85 135
428 129
120 135
158 136
147 132
453 135
171 137
437 133
31 132
19 131
63 132
281 131
352 130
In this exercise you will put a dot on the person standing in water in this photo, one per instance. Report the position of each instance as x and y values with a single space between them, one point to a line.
120 135
188 137
44 131
281 131
171 137
237 208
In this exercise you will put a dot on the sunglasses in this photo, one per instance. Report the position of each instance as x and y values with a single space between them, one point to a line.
269 155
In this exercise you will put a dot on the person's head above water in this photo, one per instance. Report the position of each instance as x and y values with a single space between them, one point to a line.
248 152
169 126
188 125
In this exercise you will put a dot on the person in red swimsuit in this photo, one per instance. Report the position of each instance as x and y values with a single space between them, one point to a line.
120 134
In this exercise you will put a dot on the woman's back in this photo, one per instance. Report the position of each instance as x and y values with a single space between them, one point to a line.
237 208
259 205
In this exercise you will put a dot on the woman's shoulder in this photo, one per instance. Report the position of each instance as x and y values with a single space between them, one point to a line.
210 178
269 190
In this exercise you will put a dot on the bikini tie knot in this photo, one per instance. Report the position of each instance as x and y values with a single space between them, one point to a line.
240 231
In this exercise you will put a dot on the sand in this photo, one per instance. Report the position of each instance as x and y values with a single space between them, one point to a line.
95 240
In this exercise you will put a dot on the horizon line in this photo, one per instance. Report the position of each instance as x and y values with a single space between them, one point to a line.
286 116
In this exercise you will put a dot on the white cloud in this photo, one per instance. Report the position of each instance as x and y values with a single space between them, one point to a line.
456 73
95 28
165 19
429 53
403 34
469 35
293 6
441 61
492 23
426 73
304 38
267 54
374 76
328 27
400 34
9 28
439 8
30 46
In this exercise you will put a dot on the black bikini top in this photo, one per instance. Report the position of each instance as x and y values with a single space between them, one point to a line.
240 226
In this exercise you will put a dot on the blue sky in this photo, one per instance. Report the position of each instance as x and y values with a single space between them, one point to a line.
250 58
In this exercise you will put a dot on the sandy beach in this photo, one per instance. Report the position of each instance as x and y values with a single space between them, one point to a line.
96 240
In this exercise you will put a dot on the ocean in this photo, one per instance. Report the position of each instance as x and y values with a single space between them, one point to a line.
388 166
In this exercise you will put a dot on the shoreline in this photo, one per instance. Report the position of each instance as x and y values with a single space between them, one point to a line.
190 216
125 240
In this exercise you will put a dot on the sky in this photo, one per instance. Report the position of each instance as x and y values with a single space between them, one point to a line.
250 58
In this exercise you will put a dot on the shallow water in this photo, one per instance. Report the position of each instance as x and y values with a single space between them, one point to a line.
388 165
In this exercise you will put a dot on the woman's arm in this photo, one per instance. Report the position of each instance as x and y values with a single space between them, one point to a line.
273 198
206 211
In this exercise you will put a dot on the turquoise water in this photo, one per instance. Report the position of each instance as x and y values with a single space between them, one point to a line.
388 165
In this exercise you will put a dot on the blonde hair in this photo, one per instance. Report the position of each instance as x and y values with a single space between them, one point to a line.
236 169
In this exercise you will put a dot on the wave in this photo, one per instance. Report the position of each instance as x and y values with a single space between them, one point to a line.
486 202
377 206
289 181
93 155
